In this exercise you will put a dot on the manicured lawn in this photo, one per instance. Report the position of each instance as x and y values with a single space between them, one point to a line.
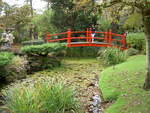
122 84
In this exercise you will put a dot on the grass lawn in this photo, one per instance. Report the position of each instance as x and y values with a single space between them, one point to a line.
122 84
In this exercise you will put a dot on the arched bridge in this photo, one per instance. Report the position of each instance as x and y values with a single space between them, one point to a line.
84 38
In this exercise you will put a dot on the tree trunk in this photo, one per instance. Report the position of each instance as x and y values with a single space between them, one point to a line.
30 33
31 29
31 5
146 22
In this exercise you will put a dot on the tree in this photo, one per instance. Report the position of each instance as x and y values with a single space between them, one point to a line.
31 26
69 14
44 23
16 17
144 8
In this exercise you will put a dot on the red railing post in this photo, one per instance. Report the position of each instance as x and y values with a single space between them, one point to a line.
105 37
90 34
110 36
123 40
48 36
87 35
69 38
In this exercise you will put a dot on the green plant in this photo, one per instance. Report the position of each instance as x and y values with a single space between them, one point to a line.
41 96
5 58
132 51
17 68
43 56
43 49
104 24
137 41
56 98
112 56
82 51
33 42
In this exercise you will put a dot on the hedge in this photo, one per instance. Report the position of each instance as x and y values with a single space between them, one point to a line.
43 49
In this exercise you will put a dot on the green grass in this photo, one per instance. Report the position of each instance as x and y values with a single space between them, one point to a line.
44 95
122 85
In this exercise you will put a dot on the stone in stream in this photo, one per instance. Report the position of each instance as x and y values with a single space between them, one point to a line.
95 105
96 100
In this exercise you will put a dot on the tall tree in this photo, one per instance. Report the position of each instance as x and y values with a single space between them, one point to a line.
31 29
144 8
16 17
73 14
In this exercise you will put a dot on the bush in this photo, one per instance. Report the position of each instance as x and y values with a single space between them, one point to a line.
43 56
132 51
5 58
17 68
39 63
82 51
12 67
137 41
43 49
41 96
33 42
112 56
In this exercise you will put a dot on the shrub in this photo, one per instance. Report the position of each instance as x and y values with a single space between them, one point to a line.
43 49
12 67
41 96
17 68
112 56
5 58
43 56
38 63
137 41
82 51
132 51
33 42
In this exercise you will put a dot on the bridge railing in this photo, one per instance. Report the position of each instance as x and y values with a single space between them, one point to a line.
69 37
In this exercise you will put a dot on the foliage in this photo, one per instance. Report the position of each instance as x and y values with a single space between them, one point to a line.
43 56
82 51
104 24
123 83
133 21
137 41
69 14
39 63
41 96
43 49
33 42
17 69
17 18
132 51
5 58
112 56
12 67
44 24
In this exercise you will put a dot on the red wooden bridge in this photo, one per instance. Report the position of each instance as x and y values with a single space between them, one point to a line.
84 38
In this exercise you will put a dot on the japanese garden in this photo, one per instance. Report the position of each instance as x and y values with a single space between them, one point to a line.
74 56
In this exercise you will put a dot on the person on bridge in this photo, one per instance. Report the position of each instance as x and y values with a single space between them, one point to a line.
93 32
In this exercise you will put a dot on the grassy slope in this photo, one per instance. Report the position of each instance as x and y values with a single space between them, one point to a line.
123 83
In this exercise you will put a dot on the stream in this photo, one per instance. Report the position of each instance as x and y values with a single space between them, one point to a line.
83 76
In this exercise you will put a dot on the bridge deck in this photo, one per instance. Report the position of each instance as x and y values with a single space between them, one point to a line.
88 42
